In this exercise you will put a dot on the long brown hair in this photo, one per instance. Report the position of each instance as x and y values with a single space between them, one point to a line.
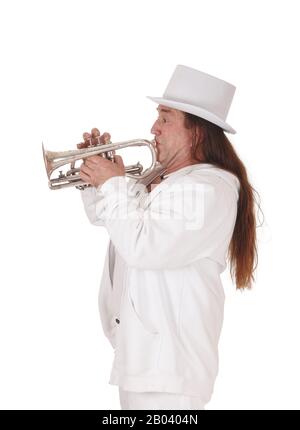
215 148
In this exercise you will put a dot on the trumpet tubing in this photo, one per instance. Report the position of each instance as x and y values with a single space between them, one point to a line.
55 159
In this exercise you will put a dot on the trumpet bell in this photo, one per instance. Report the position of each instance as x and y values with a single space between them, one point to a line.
47 161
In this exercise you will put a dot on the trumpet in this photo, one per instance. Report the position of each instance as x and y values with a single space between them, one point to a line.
53 160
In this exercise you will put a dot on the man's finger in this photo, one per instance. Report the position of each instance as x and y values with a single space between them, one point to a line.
86 169
84 177
95 136
86 136
95 132
100 161
95 159
105 138
87 141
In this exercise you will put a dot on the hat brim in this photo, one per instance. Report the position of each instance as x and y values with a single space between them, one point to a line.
195 110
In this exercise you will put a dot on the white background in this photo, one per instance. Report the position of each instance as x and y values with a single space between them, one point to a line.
68 66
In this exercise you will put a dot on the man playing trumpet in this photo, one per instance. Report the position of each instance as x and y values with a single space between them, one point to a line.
161 297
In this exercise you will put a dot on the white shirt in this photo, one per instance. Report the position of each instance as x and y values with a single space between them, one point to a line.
161 299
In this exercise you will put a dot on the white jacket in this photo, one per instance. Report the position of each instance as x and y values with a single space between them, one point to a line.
161 298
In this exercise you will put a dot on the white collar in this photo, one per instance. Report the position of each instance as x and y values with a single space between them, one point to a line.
188 168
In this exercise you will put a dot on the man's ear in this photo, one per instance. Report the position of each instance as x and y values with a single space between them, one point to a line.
199 134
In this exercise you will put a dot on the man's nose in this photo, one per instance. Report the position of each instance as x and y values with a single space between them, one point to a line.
155 129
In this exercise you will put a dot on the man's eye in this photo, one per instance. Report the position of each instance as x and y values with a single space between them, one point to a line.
163 120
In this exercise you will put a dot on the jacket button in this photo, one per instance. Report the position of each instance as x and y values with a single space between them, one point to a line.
117 321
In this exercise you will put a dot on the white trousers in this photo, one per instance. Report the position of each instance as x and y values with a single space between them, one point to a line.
131 400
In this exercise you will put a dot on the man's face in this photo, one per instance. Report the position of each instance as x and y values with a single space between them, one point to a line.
171 137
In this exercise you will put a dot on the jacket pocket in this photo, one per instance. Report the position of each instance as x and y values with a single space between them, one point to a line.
137 346
145 326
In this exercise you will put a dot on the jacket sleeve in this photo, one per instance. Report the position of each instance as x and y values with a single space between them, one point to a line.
92 199
94 203
184 222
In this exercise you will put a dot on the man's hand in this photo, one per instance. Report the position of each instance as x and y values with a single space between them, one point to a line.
96 170
94 138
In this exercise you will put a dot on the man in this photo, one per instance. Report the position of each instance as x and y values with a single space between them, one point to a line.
161 298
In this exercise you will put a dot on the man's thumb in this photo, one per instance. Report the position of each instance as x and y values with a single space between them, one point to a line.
119 160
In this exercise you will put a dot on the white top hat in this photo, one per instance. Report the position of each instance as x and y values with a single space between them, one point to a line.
200 94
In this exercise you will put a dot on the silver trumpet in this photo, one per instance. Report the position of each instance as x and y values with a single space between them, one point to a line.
54 160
